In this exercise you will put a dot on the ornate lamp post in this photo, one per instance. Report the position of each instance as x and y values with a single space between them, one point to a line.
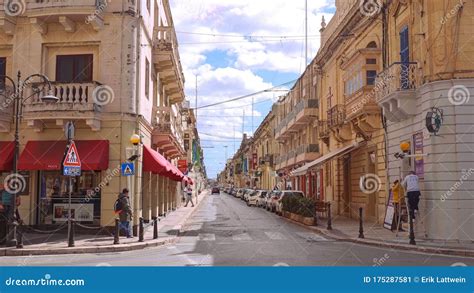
18 99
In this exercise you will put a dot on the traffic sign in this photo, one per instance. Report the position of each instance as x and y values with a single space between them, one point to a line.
72 157
128 169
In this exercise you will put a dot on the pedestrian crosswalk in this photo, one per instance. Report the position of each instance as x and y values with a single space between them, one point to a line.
261 236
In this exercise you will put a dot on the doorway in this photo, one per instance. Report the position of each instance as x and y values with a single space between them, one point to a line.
372 197
346 178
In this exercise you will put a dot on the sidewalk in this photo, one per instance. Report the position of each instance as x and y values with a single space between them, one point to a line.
41 244
346 229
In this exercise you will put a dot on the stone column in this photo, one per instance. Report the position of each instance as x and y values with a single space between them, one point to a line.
146 193
155 191
161 192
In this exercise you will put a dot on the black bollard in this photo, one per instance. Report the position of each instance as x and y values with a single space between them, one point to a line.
140 230
71 234
155 227
412 232
361 225
19 243
329 217
117 232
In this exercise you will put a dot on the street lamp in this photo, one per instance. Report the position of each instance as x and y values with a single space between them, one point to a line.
17 97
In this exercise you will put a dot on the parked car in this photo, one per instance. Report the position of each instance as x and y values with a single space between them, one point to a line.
286 193
247 192
215 190
266 200
256 198
240 193
271 203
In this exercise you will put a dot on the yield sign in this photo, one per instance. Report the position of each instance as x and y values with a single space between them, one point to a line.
72 157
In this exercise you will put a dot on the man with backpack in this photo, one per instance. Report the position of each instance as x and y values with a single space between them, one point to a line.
123 209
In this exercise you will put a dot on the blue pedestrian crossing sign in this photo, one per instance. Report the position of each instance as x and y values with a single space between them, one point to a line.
128 169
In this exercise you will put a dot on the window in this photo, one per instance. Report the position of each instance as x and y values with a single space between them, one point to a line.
3 71
74 68
147 78
370 77
404 58
371 61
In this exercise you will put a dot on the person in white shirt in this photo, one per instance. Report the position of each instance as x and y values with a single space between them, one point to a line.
412 187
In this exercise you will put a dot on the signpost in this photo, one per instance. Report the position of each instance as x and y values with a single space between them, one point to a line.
71 168
128 169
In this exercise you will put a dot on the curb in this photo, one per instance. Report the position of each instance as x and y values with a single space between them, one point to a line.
98 249
408 247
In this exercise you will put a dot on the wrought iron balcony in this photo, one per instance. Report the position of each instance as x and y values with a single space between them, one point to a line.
336 116
395 90
168 133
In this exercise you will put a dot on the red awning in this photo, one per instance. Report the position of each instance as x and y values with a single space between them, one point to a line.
47 155
7 149
188 180
155 163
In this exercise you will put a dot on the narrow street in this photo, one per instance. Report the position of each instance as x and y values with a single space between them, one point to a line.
223 231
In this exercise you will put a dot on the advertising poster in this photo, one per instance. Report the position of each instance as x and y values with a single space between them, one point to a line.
79 212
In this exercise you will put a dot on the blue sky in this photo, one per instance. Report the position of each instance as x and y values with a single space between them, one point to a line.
239 47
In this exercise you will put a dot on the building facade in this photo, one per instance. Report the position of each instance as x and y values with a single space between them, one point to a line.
429 71
115 67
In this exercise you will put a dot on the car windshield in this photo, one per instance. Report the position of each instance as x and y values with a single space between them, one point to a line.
264 193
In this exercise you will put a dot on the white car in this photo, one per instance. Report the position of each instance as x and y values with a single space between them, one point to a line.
262 197
256 197
240 193
285 193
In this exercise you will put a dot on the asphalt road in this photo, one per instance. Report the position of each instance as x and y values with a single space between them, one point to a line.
223 231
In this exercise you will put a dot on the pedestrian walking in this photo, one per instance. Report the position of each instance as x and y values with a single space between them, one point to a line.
7 199
189 195
123 209
411 185
397 198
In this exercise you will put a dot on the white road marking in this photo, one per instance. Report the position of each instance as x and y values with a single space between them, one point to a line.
275 235
242 237
207 237
311 236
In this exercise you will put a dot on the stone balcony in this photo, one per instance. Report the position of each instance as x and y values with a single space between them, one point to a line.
306 153
76 102
303 113
167 62
395 90
337 123
68 13
168 134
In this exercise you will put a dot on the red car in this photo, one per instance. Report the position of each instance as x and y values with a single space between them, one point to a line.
215 190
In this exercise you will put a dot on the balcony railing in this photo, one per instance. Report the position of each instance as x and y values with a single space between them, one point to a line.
323 129
400 76
41 4
336 116
72 97
307 148
294 116
166 45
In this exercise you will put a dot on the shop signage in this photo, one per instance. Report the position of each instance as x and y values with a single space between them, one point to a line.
128 169
389 212
79 212
183 165
418 148
72 162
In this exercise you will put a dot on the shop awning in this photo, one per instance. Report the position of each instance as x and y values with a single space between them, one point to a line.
155 163
7 149
339 152
48 155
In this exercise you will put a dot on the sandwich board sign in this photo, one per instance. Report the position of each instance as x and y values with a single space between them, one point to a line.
72 162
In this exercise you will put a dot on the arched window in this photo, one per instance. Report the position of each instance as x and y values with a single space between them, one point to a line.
372 45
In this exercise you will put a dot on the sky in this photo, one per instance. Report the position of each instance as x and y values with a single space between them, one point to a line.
237 48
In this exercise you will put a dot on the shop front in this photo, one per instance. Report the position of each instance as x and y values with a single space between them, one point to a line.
43 159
